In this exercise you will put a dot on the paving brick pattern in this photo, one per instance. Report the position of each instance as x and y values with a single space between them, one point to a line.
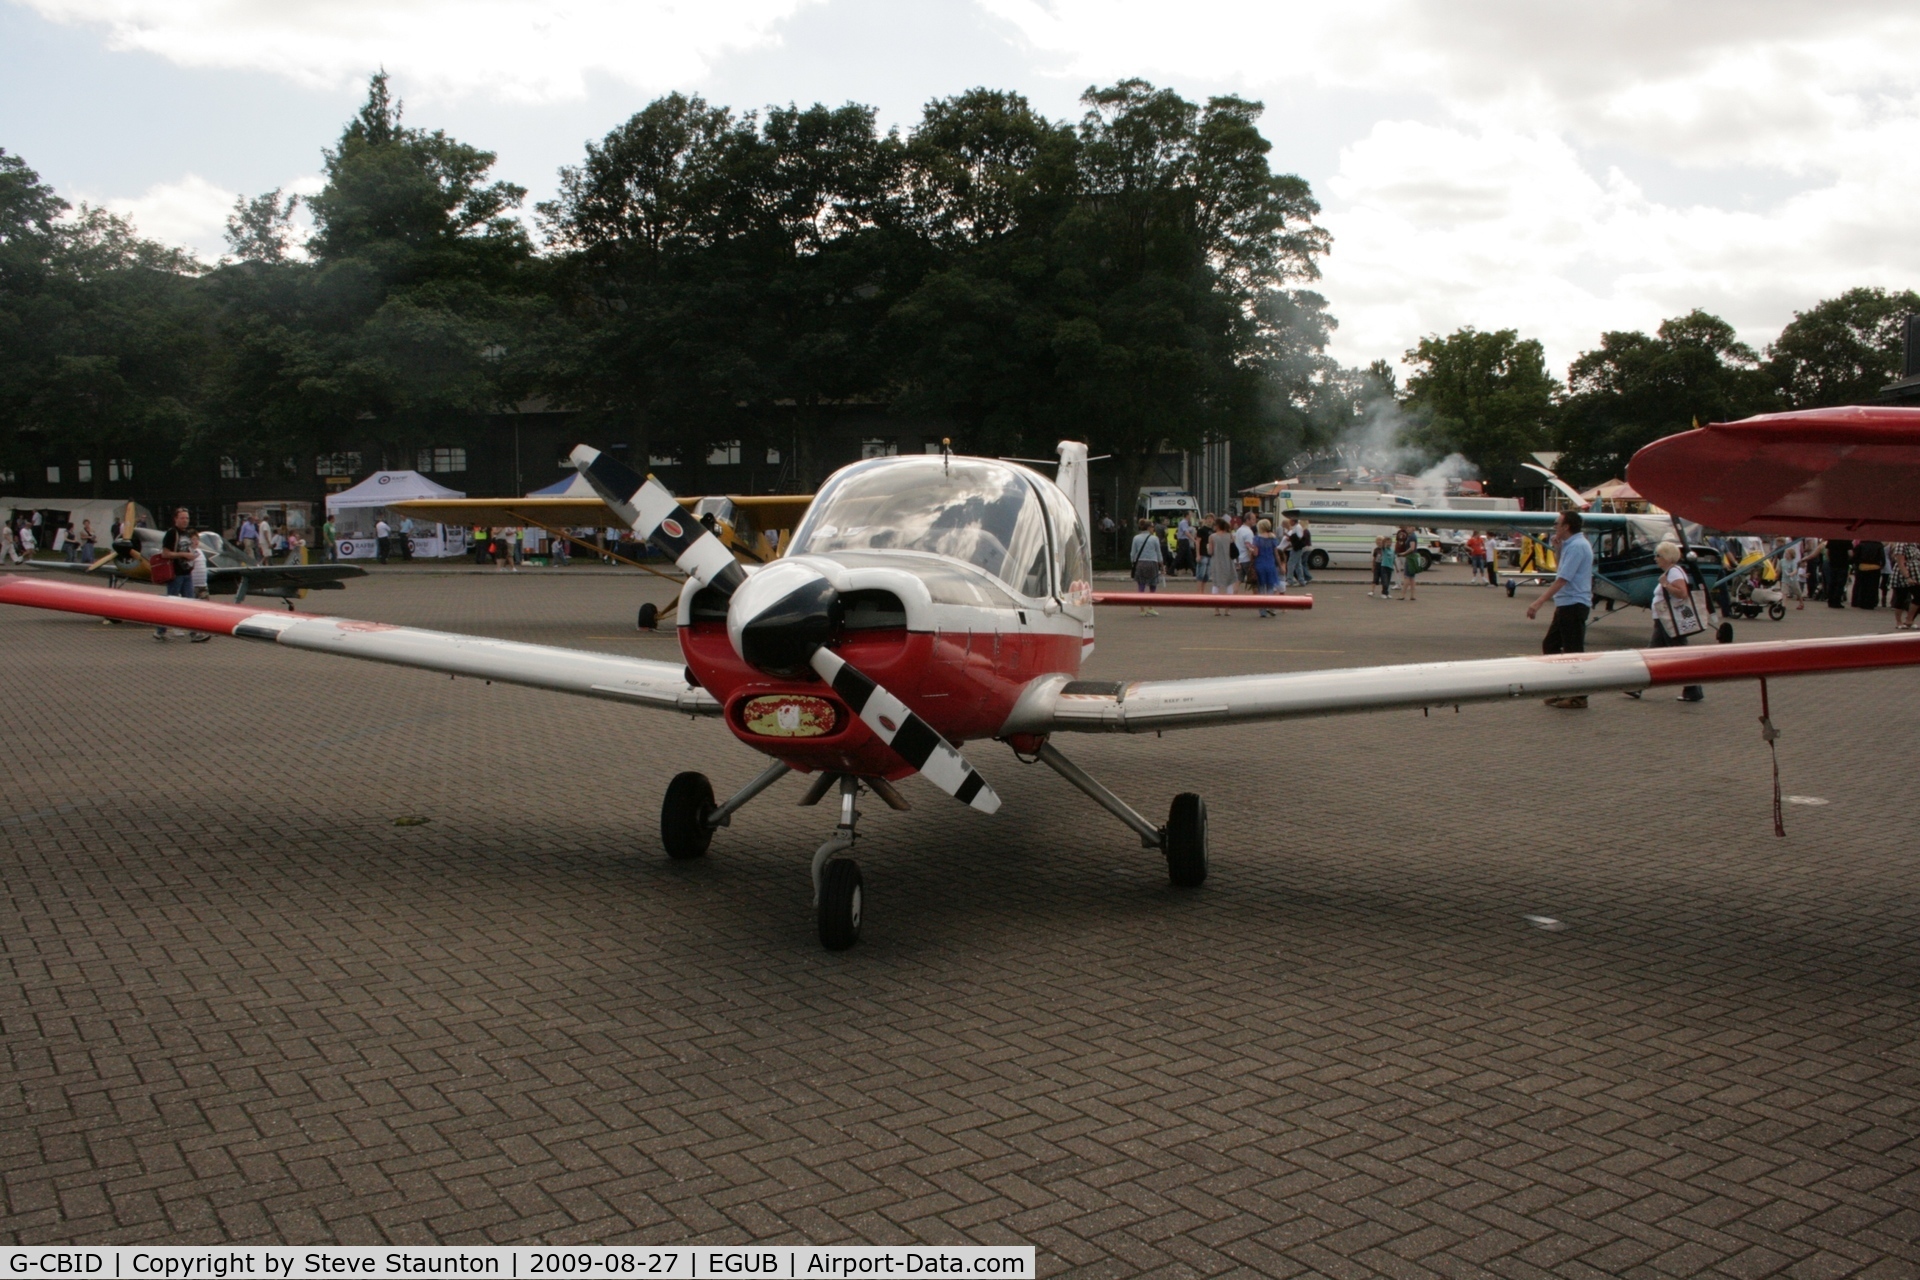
240 1003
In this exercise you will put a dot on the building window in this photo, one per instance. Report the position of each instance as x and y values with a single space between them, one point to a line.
7 477
234 469
119 468
53 475
773 457
724 453
931 447
442 460
878 448
663 459
336 464
83 470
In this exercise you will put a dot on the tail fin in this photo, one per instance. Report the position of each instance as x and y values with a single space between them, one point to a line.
1072 477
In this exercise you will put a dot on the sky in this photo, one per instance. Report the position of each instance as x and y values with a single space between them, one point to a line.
1557 168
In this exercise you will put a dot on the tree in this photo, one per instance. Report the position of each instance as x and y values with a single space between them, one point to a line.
419 278
102 342
1635 389
1484 395
1841 350
261 229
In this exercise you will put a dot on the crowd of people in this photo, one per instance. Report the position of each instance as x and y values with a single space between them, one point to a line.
1226 553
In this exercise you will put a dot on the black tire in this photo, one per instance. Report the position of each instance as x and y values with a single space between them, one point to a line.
1777 611
840 904
1511 588
683 816
1316 559
1187 841
649 619
1725 633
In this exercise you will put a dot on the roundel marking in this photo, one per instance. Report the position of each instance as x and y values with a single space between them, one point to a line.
672 527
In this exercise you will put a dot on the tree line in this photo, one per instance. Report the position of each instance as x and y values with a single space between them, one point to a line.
1137 278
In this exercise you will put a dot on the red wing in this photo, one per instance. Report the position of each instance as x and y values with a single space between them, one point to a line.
661 685
1851 472
1196 600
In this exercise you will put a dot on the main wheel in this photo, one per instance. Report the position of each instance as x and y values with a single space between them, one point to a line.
649 619
1725 633
1511 588
1187 841
1777 611
1316 559
840 904
683 816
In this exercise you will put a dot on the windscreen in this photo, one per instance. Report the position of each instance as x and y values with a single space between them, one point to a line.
979 512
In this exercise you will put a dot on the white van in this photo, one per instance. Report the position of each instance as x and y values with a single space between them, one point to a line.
1343 546
1171 505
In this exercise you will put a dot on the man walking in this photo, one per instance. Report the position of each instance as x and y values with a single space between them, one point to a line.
1572 594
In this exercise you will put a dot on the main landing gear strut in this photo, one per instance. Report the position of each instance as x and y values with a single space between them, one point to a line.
689 817
1183 840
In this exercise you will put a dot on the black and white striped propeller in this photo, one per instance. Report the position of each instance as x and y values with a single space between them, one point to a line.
780 620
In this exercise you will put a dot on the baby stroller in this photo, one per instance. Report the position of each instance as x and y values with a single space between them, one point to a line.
1750 597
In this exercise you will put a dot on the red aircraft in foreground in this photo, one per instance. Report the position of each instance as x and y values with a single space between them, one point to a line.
927 602
1848 472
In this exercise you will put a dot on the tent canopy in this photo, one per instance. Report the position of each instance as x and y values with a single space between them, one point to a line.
574 486
384 488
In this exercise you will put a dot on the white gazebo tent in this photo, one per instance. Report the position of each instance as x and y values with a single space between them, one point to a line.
354 512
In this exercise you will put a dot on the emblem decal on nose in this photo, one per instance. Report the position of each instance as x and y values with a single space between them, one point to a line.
672 528
890 725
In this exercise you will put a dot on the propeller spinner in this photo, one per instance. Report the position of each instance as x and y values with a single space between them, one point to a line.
780 621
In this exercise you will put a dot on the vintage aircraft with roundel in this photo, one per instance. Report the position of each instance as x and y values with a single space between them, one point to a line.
924 603
228 572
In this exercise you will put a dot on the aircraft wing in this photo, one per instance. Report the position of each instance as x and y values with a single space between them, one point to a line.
1848 472
1448 518
661 685
222 581
1151 706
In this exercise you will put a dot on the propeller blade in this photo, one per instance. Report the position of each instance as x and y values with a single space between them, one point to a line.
108 558
651 511
912 739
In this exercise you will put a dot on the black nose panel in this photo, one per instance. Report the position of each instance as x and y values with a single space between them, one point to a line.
781 638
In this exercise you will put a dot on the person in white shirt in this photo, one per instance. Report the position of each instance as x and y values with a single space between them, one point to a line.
382 539
1675 588
1243 537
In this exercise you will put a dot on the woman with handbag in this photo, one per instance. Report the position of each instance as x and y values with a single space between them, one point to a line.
1676 618
1147 562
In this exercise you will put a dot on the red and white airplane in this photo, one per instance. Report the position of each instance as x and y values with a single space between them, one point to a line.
927 602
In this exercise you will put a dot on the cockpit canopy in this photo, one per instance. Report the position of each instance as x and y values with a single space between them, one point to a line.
989 514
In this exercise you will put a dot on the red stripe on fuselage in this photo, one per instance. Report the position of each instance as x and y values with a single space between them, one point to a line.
127 605
1780 658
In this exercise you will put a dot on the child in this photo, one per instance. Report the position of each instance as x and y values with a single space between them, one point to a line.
1383 567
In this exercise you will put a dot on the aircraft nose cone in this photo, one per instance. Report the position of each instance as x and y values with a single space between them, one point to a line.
780 615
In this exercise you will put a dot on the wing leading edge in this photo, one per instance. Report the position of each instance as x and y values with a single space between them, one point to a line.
661 685
1150 706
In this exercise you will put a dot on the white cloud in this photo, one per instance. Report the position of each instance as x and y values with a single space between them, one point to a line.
190 212
522 50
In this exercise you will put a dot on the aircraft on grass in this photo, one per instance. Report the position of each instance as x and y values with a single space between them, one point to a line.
228 572
921 604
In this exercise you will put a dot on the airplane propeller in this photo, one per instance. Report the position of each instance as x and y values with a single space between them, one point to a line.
780 621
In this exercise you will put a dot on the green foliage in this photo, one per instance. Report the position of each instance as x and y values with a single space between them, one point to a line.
1635 389
1842 350
1484 395
418 280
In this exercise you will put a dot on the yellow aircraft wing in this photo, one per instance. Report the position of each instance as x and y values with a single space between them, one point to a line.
745 527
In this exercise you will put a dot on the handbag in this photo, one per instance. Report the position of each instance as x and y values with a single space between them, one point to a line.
1683 619
160 570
